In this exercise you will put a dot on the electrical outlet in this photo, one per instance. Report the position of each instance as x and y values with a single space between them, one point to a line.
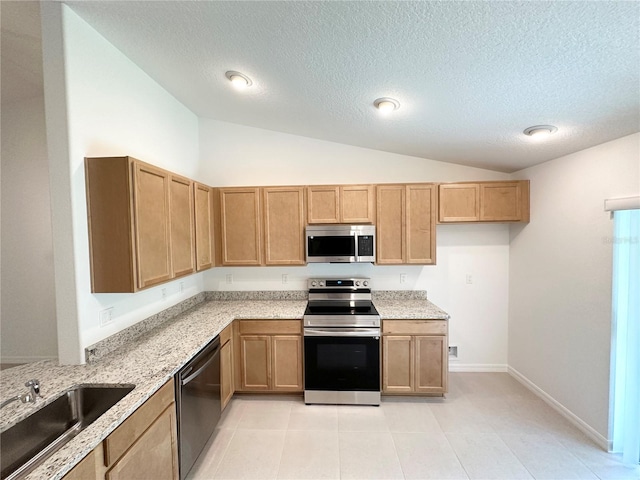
469 279
285 278
181 287
403 278
229 279
453 351
164 293
106 316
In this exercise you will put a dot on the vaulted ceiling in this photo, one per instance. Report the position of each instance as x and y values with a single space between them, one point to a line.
469 76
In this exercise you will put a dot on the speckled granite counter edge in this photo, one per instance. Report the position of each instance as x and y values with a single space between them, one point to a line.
103 347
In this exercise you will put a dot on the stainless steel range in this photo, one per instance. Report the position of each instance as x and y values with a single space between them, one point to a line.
341 343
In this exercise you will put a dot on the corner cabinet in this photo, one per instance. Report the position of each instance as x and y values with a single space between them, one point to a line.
414 357
141 225
268 355
340 204
203 206
406 228
143 447
484 202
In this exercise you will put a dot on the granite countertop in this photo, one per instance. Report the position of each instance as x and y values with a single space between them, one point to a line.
152 358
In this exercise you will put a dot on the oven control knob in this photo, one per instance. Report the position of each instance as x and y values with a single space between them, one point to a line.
365 284
313 284
321 283
357 284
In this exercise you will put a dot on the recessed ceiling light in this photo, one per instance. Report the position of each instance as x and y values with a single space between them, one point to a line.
386 105
239 80
540 131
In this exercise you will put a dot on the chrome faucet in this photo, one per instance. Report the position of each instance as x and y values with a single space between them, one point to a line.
30 396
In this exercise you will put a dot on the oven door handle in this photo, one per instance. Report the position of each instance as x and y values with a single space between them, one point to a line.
342 332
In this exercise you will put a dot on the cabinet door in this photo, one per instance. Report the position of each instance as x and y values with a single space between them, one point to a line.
284 221
390 231
357 204
240 222
204 226
398 364
459 202
255 362
85 470
500 202
151 203
431 357
287 363
323 204
154 455
182 244
421 224
226 373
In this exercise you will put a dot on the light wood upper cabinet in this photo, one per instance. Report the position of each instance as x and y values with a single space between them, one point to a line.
484 202
504 202
182 239
357 204
459 202
284 222
323 204
421 223
406 224
390 228
340 204
203 200
151 224
240 223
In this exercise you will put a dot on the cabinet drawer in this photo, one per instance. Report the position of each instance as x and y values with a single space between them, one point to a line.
270 327
133 427
414 327
225 335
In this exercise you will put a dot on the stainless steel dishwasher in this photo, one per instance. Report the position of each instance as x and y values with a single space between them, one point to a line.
198 403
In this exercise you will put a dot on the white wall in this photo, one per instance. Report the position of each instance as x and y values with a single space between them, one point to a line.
560 277
28 309
99 103
237 155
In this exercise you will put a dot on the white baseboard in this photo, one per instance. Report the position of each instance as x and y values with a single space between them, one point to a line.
9 359
580 424
476 367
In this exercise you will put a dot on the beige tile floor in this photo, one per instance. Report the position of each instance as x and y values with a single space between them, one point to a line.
488 427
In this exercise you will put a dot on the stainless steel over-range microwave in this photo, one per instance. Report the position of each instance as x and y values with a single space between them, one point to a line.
341 243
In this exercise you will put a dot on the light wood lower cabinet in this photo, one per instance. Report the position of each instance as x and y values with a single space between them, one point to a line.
226 366
143 447
414 357
269 356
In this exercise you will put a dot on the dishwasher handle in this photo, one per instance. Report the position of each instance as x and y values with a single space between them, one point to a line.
213 354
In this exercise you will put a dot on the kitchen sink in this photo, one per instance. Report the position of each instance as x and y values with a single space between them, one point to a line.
31 441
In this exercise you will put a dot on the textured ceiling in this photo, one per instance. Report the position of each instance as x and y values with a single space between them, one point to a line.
470 76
